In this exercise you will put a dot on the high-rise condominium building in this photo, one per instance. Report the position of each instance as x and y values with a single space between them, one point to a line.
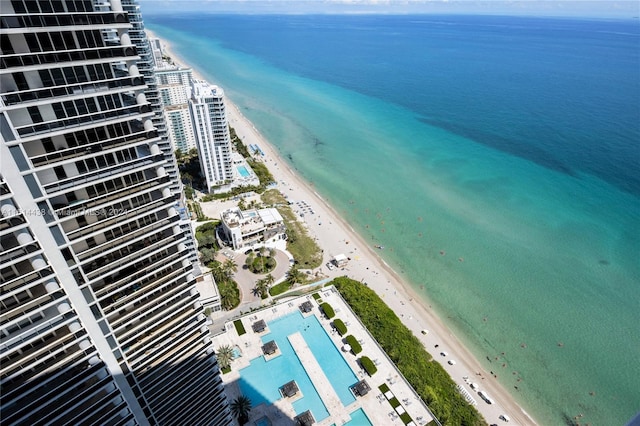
174 87
212 133
100 319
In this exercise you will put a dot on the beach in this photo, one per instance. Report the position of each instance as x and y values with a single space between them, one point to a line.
335 236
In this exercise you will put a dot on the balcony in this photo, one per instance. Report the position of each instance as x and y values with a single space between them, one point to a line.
34 20
52 58
20 97
65 154
96 118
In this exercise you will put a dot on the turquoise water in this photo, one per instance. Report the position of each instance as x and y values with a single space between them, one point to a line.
236 353
359 418
261 380
511 145
243 171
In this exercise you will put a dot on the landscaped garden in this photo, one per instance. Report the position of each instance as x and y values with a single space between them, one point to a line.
428 378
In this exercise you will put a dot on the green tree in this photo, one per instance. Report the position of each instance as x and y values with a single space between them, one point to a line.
294 276
229 267
207 255
224 355
261 289
249 260
269 280
217 272
240 408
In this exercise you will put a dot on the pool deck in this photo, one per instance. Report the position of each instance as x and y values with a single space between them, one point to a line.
375 405
337 412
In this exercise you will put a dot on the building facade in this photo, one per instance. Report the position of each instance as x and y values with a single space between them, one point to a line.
174 87
101 322
252 228
212 133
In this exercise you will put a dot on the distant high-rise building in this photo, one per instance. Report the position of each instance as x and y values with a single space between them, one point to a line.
212 133
101 322
174 87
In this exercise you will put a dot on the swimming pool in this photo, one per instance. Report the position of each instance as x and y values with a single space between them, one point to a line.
359 418
261 380
243 171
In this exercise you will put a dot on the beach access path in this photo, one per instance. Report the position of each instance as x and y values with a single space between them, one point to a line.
335 236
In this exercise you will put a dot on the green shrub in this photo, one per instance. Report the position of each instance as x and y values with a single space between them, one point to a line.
406 418
226 369
327 310
368 365
340 326
355 345
394 402
316 296
239 327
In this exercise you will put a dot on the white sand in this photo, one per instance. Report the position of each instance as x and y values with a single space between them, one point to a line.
335 236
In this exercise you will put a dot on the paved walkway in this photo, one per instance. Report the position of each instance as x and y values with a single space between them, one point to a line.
320 381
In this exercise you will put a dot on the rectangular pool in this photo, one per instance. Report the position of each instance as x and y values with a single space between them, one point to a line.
261 380
243 171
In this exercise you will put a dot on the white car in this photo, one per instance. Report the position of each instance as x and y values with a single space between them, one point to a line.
330 266
451 362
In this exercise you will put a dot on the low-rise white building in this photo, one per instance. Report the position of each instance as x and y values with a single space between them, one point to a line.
209 294
252 228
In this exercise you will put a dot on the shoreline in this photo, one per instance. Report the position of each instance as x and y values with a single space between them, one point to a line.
335 235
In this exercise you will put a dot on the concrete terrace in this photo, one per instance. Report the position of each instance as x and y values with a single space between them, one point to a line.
375 404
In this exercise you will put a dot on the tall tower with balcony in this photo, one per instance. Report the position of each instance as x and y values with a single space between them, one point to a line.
101 322
212 133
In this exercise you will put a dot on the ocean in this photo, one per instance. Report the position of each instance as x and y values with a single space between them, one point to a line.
497 159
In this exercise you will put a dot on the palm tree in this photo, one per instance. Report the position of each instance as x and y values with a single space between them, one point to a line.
269 280
217 271
224 355
229 267
241 407
261 289
294 275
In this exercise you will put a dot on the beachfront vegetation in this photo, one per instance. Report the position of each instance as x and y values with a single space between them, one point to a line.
327 310
305 250
340 327
356 348
239 327
427 377
368 365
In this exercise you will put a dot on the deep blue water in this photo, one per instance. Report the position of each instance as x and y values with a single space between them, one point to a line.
553 91
511 142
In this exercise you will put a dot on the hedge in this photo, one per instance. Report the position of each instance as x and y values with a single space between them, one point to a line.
328 310
340 326
355 345
239 327
368 365
427 377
